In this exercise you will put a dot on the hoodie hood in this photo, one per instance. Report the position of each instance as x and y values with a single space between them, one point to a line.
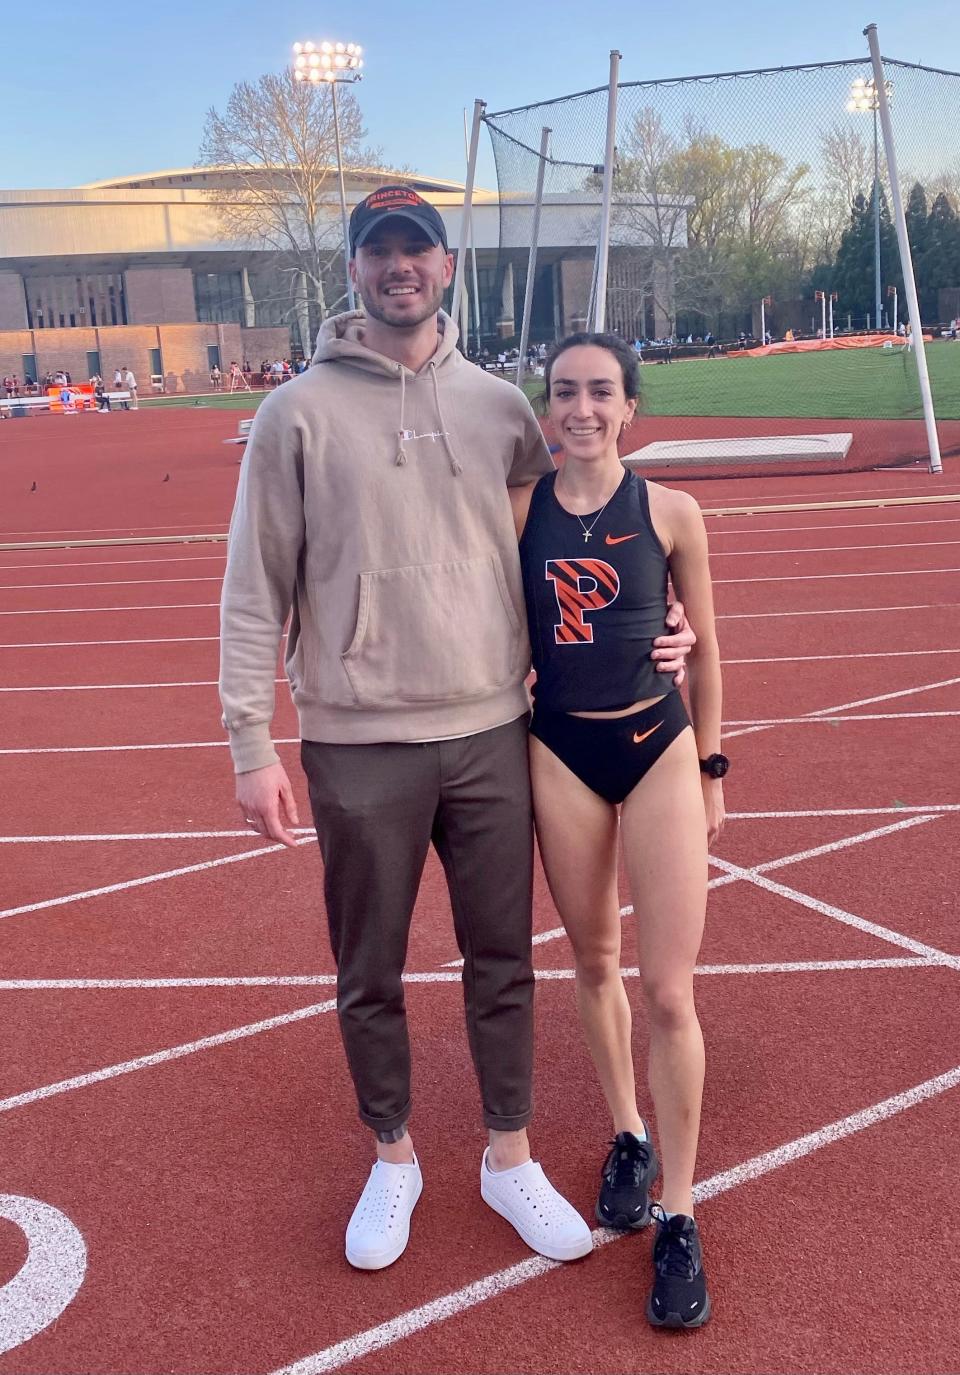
340 340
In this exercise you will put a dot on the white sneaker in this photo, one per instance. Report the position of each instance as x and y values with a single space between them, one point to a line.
378 1231
530 1203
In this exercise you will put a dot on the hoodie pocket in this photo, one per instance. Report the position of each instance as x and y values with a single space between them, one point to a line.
436 632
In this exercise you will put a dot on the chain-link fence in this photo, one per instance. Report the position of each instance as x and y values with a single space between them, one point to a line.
752 244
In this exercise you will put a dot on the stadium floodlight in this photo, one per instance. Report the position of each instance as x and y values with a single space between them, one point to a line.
333 63
865 98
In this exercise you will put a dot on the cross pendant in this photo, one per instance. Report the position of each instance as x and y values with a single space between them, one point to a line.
586 536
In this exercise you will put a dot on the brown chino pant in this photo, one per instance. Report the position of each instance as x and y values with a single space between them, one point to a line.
377 808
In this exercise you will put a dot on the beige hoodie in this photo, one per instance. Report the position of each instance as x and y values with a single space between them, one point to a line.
373 505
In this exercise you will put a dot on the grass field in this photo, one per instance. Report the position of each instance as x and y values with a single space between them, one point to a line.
870 384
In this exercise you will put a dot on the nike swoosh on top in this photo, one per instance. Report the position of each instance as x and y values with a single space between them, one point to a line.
619 539
639 739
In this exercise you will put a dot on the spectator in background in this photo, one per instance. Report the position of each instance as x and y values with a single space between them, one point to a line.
216 378
129 383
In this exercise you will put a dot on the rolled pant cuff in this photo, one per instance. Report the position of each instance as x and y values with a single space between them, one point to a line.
493 1122
386 1124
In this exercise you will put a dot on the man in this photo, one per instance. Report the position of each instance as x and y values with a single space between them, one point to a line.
373 500
129 383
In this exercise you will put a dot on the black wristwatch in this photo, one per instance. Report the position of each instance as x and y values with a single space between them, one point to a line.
715 765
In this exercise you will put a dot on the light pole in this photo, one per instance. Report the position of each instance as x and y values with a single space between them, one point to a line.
864 96
336 64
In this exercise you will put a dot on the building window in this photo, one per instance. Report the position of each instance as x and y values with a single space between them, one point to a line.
93 363
156 363
28 362
61 301
219 297
213 356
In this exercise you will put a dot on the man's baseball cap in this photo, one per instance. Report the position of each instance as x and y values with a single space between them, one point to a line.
397 202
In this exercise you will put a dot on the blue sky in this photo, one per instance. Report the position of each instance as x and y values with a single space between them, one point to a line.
90 93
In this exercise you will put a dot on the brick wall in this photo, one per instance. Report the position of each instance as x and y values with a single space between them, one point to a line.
13 305
157 295
183 351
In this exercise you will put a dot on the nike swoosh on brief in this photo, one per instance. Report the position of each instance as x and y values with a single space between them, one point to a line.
619 539
639 739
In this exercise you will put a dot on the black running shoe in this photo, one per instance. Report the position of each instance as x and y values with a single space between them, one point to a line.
679 1296
628 1172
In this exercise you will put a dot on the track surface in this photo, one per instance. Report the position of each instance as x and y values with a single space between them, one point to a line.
181 1151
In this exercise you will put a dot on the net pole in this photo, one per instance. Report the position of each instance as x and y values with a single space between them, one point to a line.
532 260
603 242
906 260
478 108
763 321
473 251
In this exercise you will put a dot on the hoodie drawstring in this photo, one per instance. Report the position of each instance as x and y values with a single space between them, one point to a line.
401 456
455 465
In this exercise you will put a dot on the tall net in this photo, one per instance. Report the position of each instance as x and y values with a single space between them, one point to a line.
743 258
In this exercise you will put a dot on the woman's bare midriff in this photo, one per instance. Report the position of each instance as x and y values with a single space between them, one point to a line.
624 711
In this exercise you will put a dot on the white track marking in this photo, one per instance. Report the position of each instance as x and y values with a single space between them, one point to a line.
101 610
825 720
849 706
103 582
899 810
821 577
99 836
128 749
162 1057
765 553
843 658
751 530
127 884
826 909
177 558
832 611
96 644
492 1286
547 975
543 937
114 687
49 1278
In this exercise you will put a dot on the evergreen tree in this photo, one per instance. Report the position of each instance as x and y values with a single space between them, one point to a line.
916 216
941 259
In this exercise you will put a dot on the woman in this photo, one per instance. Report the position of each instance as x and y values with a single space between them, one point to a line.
610 756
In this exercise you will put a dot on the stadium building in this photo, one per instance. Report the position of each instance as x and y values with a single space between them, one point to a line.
138 271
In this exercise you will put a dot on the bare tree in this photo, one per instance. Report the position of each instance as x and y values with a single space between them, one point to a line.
276 140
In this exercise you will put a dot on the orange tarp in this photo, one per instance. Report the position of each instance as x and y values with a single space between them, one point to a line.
846 341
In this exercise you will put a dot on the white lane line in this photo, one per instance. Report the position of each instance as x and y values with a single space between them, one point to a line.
97 837
832 611
836 720
818 549
101 610
547 975
212 682
175 558
721 882
899 810
129 749
114 687
751 530
844 658
295 739
83 644
826 909
451 1305
849 706
821 577
162 1057
102 582
127 884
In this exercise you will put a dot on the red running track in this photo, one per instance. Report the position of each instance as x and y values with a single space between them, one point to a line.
178 1109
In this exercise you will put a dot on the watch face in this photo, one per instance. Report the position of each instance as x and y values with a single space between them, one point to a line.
716 765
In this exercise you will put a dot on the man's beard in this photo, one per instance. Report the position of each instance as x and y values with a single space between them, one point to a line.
429 306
